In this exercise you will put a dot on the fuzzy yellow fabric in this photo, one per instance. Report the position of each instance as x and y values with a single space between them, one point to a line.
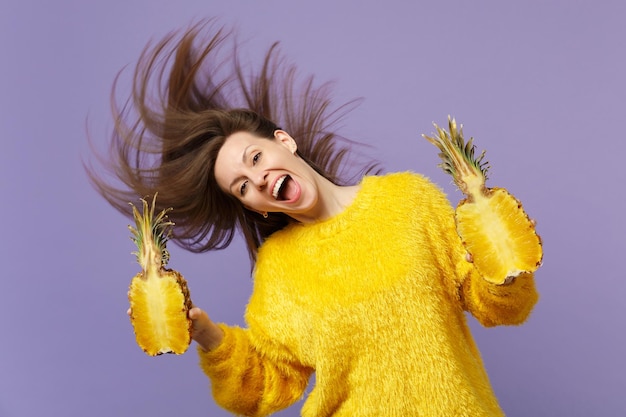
373 301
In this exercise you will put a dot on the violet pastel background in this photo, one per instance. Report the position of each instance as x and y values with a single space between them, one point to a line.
539 84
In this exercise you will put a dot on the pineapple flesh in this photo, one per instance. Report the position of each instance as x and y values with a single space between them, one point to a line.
497 233
159 297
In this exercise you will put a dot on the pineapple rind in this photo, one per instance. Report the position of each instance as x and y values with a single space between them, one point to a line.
499 235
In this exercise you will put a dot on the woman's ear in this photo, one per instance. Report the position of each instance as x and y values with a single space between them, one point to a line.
284 139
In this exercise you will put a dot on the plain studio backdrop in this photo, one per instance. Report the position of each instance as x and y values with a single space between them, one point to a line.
538 84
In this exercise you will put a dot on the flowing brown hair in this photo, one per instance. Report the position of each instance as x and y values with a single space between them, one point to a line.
185 102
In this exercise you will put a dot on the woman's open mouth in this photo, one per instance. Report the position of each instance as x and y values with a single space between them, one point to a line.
284 189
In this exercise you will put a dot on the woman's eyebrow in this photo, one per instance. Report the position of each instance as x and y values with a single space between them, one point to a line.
243 160
245 151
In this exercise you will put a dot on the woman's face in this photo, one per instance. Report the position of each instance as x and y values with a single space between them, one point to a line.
266 175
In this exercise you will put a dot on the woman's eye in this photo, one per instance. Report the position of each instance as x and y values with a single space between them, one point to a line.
242 189
256 158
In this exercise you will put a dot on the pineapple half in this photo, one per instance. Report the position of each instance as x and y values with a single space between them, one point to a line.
499 236
159 297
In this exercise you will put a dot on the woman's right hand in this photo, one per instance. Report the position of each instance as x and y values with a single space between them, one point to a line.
204 331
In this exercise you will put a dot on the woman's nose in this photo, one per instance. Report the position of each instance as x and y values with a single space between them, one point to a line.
260 180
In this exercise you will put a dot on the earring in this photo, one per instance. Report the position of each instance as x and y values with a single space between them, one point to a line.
265 214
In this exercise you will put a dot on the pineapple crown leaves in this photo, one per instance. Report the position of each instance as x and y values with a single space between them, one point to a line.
457 155
151 232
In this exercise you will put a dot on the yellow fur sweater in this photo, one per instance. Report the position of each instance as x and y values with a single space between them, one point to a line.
373 302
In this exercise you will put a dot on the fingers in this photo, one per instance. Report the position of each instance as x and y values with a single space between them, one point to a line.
200 320
195 313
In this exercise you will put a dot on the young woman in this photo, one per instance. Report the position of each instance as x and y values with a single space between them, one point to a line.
364 283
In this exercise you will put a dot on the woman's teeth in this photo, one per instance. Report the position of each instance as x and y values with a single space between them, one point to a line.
277 186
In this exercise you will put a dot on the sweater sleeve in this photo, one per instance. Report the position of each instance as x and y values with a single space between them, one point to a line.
247 382
493 304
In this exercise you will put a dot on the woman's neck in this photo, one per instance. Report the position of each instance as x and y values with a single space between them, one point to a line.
333 200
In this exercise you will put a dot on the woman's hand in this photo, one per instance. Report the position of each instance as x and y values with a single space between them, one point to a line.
204 331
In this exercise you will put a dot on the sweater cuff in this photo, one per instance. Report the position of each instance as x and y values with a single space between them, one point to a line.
213 362
519 284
